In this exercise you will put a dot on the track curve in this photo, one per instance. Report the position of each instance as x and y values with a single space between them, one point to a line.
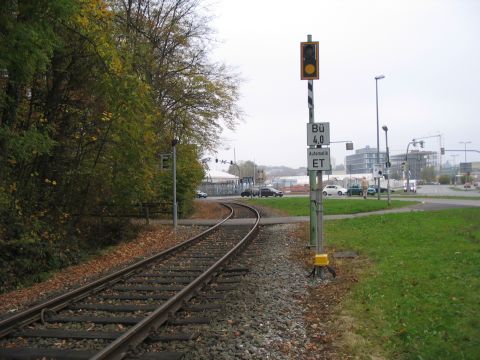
133 301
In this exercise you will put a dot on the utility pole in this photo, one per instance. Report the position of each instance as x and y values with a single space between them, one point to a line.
454 169
465 143
387 163
380 77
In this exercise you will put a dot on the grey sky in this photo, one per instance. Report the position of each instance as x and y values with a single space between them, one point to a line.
429 52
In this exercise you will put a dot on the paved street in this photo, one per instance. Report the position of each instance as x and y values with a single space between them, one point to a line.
448 190
425 204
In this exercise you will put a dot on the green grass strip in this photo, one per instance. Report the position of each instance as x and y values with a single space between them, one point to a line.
420 298
300 206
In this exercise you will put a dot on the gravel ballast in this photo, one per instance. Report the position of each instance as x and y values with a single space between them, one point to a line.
263 316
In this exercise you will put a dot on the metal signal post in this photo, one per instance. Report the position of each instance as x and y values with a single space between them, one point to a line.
306 69
318 157
174 174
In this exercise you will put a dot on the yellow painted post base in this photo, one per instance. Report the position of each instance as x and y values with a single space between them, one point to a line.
321 260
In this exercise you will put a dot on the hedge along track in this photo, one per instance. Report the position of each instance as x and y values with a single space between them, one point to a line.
108 317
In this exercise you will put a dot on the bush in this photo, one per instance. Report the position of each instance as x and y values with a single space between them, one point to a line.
26 260
444 179
35 253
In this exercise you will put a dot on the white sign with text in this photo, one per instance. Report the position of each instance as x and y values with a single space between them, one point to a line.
318 134
319 159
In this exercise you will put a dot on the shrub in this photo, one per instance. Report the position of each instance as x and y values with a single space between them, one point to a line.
444 179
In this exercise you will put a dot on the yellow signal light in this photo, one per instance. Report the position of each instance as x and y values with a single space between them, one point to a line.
309 60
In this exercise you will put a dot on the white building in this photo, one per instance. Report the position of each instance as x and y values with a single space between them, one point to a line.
216 176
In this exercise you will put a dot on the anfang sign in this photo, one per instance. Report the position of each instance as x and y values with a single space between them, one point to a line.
318 134
319 159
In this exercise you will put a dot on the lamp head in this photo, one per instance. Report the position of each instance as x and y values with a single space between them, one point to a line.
379 77
385 128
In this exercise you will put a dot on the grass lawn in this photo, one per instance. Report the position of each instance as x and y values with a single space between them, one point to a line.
419 295
300 206
417 195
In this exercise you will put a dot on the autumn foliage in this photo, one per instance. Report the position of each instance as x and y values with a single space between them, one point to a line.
91 93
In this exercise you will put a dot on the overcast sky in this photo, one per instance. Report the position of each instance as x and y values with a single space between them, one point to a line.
428 50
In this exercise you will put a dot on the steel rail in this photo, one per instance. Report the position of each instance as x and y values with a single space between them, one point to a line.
139 332
34 313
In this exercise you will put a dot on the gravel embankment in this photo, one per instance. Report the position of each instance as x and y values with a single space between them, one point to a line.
263 318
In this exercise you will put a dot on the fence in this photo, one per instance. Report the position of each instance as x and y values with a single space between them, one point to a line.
144 210
221 188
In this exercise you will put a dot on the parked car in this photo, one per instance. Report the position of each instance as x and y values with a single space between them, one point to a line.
250 192
269 191
372 189
467 185
334 190
201 194
355 189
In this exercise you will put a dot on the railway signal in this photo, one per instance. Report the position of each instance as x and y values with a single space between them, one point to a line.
318 135
309 60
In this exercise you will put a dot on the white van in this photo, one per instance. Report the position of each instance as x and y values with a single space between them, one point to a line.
412 185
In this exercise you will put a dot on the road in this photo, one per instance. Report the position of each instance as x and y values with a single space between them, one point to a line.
426 204
446 190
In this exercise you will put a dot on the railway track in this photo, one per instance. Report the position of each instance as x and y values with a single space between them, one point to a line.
109 317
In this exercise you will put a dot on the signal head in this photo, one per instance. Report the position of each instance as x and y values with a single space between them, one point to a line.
309 60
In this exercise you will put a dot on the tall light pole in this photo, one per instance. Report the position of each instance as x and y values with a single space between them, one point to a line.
380 77
454 169
387 163
465 143
407 167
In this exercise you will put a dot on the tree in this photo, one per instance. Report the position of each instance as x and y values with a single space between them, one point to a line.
246 169
444 179
193 97
428 173
91 92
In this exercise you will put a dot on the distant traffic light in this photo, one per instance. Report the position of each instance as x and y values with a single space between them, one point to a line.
309 60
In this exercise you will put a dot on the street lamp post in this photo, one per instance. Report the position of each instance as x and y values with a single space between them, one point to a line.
387 163
407 168
454 169
465 143
407 165
380 77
